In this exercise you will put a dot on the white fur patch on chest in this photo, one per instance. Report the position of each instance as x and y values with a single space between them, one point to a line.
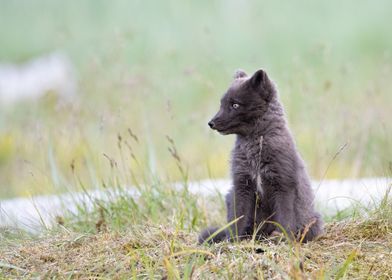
261 142
253 162
259 183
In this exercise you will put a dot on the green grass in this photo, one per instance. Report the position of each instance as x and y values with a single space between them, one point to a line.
160 68
155 237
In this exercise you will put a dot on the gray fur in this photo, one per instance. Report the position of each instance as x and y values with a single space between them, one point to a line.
270 182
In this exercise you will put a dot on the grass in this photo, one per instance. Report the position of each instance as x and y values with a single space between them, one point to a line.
161 68
154 236
151 239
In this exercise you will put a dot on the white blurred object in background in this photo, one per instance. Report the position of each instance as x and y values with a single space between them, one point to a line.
35 78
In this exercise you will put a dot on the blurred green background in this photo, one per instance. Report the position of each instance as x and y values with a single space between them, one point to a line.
159 68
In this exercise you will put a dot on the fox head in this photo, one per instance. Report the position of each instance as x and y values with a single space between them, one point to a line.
244 103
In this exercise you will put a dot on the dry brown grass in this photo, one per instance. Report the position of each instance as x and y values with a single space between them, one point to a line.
355 250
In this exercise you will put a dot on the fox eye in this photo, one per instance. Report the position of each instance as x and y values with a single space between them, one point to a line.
235 105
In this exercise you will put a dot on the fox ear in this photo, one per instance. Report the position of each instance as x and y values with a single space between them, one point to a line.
239 74
260 82
259 79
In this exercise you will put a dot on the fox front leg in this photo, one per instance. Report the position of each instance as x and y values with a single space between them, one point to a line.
284 214
240 203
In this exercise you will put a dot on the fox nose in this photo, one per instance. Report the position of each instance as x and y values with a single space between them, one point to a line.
211 124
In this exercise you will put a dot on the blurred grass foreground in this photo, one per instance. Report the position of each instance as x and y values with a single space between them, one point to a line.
149 74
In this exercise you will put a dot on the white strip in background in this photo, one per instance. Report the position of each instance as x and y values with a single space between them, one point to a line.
38 212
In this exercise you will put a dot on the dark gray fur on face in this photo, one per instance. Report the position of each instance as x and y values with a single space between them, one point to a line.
270 182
